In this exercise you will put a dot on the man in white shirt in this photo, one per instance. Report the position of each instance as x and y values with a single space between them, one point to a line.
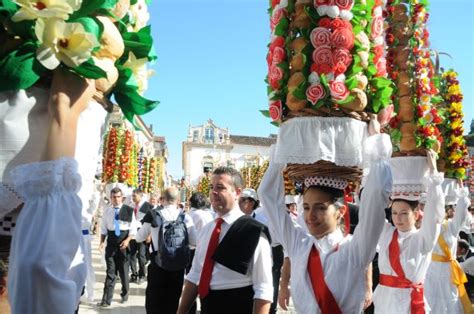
118 227
138 250
164 284
232 267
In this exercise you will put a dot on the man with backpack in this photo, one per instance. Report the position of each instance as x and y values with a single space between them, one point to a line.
171 232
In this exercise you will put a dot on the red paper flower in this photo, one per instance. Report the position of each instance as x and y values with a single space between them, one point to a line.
381 66
275 3
342 55
325 22
343 38
277 42
315 92
320 2
279 54
322 55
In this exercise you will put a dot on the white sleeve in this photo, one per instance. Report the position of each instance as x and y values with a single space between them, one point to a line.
103 223
132 231
47 237
143 232
374 199
271 192
262 279
433 214
468 266
195 272
191 229
461 214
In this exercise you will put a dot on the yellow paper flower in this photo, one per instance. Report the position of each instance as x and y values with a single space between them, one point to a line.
32 10
63 42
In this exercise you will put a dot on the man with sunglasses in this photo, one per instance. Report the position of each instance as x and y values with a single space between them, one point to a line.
118 227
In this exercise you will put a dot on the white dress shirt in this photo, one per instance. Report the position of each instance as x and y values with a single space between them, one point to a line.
441 294
415 252
260 271
169 213
344 268
201 217
140 215
108 222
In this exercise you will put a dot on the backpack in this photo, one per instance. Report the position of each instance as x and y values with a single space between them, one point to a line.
173 252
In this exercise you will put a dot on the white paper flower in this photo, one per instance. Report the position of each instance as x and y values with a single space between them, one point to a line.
63 42
32 10
139 15
139 70
313 78
346 15
333 11
322 10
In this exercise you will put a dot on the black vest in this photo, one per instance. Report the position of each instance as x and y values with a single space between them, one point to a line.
145 208
126 213
236 249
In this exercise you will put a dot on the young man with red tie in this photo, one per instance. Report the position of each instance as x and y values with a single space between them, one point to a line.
232 268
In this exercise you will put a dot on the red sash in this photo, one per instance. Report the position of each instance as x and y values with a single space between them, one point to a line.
324 297
417 305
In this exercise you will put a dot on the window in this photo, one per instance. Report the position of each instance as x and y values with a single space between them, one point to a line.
195 136
209 135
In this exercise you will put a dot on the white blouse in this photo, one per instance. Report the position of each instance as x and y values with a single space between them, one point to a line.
415 251
441 294
344 268
40 280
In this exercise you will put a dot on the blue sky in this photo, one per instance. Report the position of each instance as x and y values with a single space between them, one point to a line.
211 64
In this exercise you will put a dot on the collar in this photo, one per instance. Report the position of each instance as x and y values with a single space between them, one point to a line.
170 207
330 241
405 234
234 214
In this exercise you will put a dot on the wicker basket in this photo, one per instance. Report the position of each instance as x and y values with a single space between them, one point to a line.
327 112
298 172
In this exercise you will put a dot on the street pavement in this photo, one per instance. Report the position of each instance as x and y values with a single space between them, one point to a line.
136 301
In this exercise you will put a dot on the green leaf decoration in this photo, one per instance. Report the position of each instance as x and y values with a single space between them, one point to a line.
372 70
275 123
90 6
376 105
23 29
140 43
346 101
300 90
324 81
20 69
351 83
380 82
265 113
7 9
89 70
282 28
126 94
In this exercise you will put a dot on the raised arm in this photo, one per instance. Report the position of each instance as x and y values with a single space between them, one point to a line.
462 211
434 209
374 199
271 192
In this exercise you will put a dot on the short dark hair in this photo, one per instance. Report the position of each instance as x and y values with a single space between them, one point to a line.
116 190
198 200
235 176
413 204
138 191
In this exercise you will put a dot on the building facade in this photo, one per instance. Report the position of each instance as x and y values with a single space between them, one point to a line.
209 146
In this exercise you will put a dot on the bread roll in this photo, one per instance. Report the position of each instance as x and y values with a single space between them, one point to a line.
360 101
406 109
300 19
105 85
408 142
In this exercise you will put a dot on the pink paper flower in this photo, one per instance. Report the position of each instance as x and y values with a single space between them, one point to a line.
275 110
338 90
320 36
315 92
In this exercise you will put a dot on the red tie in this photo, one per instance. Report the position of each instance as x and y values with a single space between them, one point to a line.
135 211
324 297
208 266
417 304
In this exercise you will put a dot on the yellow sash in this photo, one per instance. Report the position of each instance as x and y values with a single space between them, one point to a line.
458 277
